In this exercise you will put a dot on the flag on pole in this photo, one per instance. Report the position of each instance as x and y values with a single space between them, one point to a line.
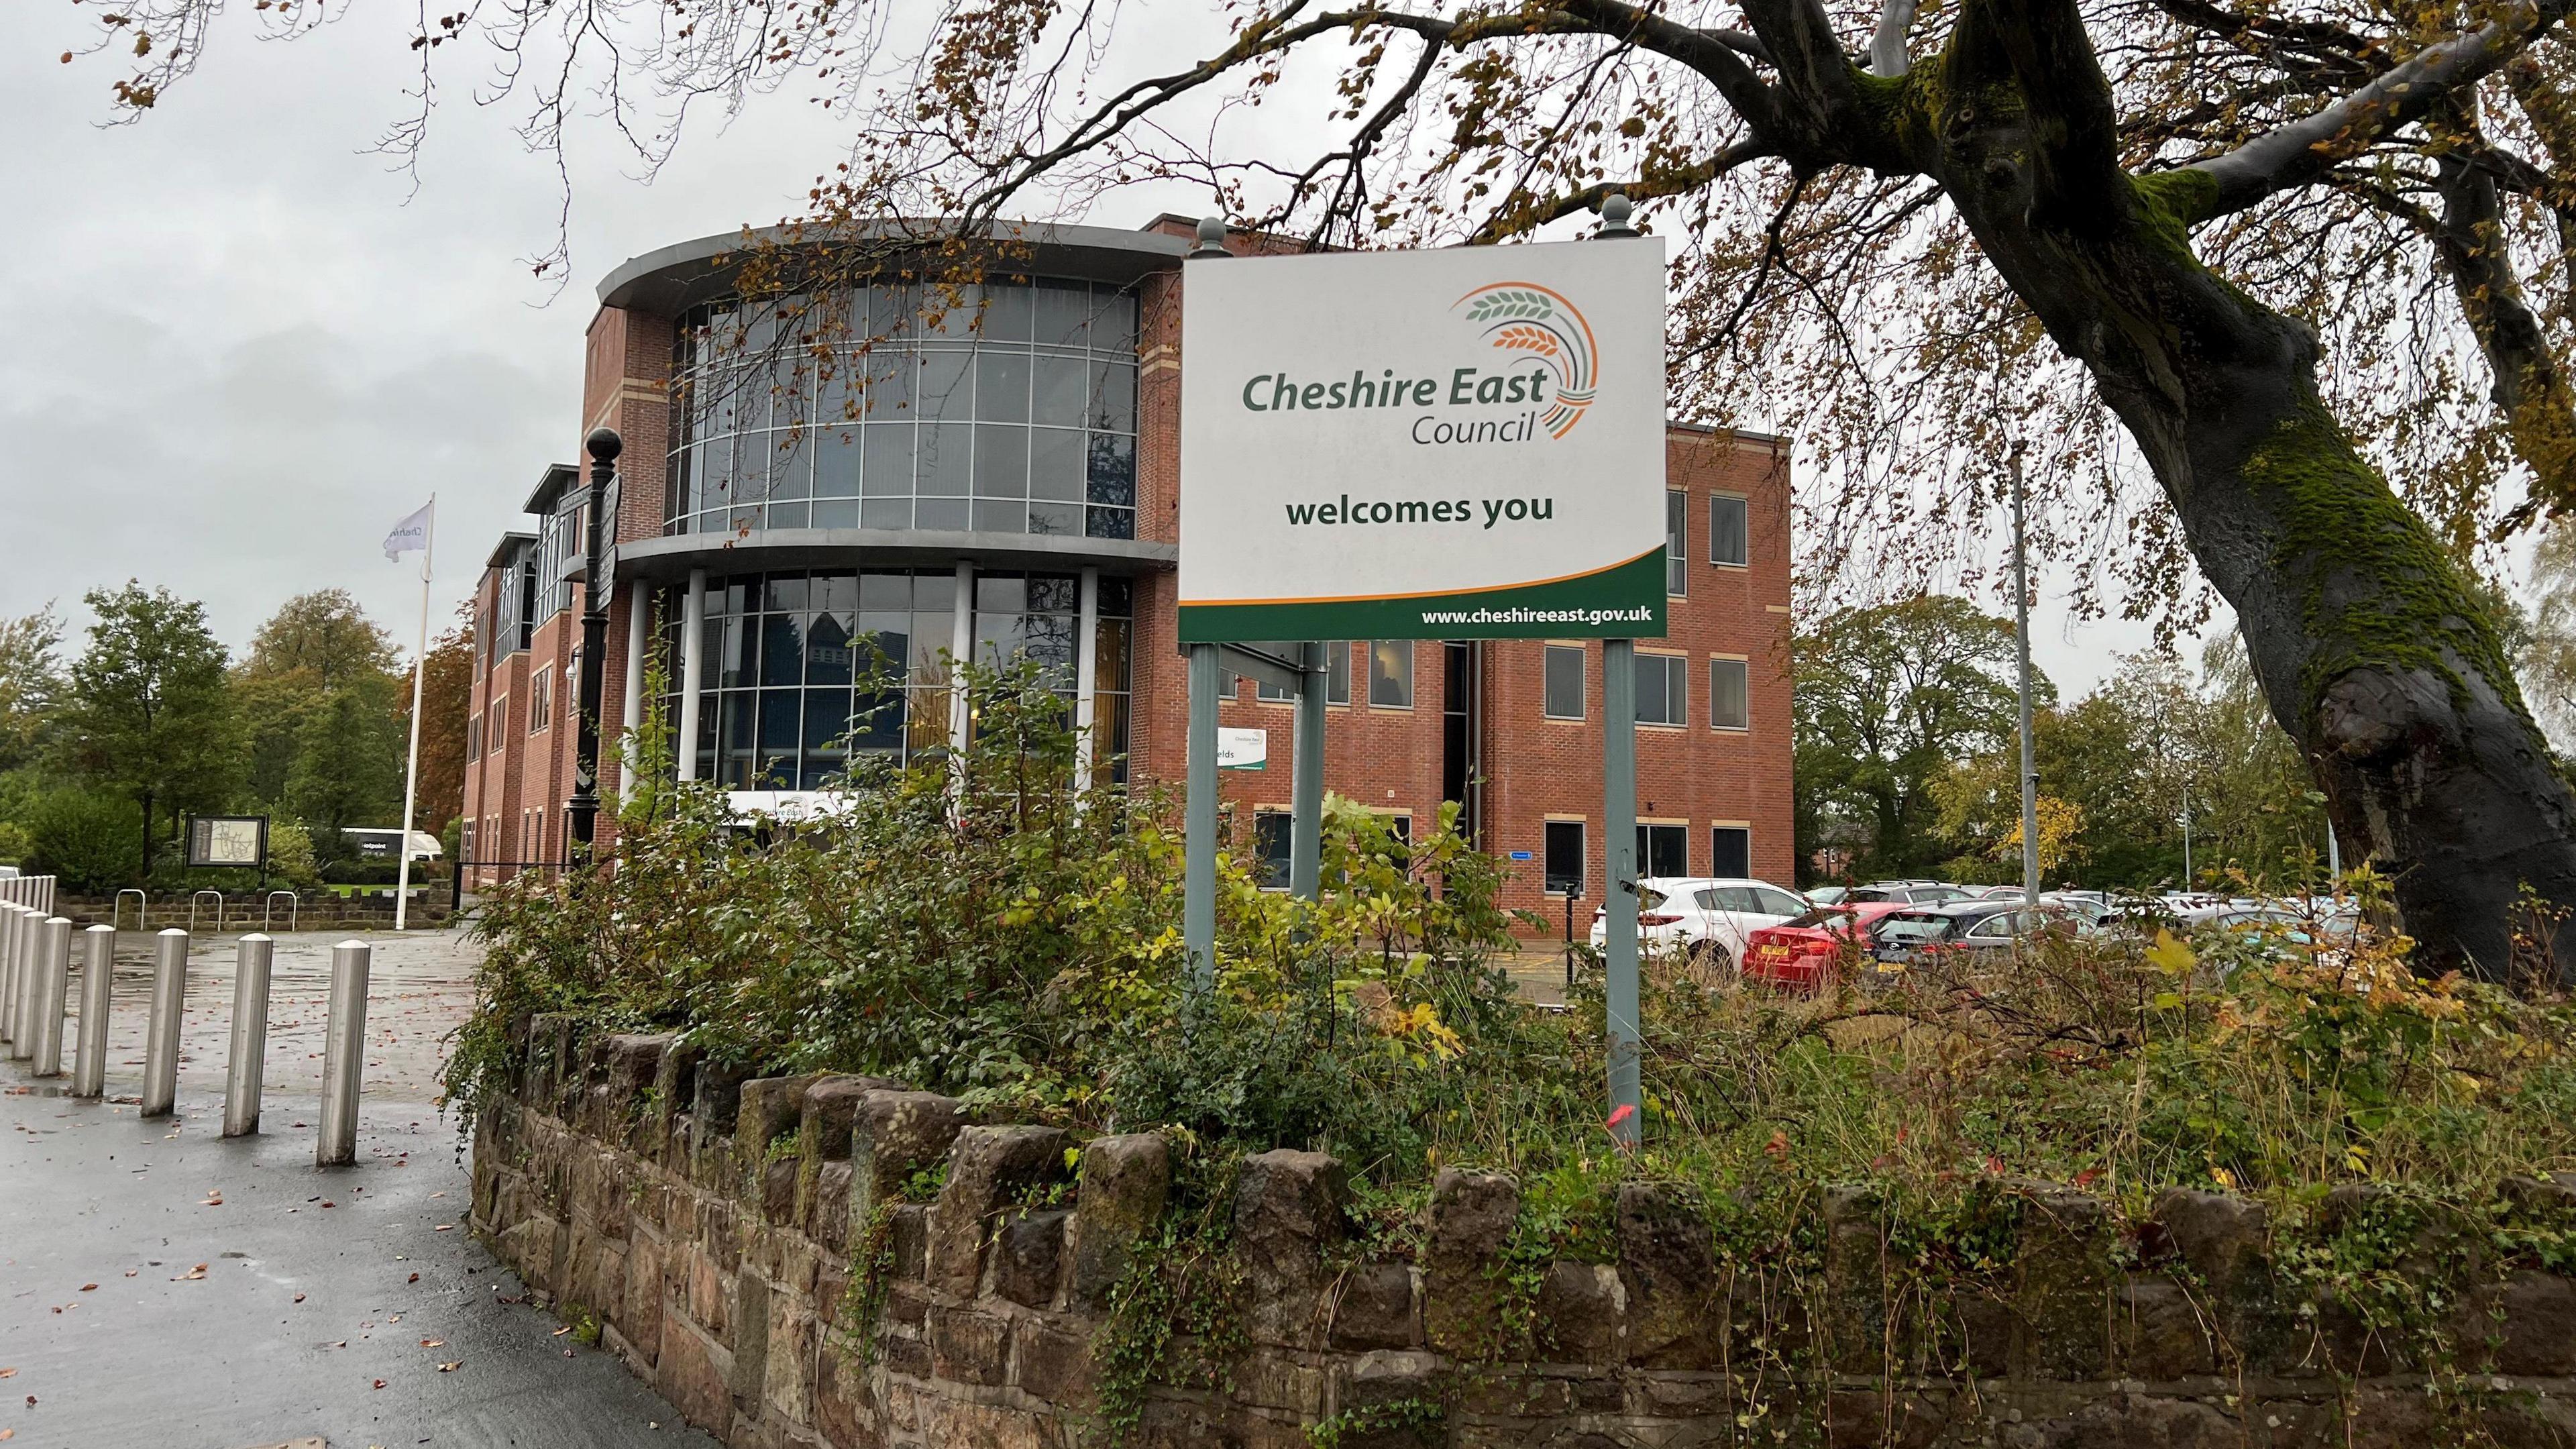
411 533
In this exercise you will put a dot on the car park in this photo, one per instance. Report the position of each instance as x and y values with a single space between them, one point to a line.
1904 937
1706 919
1799 953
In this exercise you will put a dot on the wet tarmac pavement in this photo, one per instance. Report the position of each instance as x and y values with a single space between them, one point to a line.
160 1286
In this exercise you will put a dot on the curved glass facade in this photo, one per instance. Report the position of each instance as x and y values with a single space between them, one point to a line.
1000 409
803 669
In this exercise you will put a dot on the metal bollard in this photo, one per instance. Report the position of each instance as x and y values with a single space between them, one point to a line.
23 979
250 1036
53 993
344 1055
161 1036
9 913
98 974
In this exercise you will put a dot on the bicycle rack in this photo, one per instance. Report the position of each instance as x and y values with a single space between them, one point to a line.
219 909
268 907
142 907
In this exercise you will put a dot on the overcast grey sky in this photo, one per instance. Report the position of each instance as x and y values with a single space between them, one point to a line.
242 347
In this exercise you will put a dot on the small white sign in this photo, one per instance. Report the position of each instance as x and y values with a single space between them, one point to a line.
1461 443
1242 749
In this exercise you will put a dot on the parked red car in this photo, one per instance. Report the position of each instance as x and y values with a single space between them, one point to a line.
1795 954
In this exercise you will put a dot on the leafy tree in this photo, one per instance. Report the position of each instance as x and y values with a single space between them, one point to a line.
1963 227
30 682
446 698
149 713
317 647
348 762
1887 697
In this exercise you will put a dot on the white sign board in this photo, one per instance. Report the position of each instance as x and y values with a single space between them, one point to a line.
1242 749
1451 444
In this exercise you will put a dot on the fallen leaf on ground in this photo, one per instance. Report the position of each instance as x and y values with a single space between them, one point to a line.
89 1287
433 1343
299 1297
449 1368
560 1332
444 1228
414 1278
192 1275
130 1272
380 1383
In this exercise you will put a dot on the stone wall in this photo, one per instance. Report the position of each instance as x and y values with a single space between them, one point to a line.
748 1247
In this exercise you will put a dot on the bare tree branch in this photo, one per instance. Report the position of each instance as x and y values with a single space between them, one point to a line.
2299 153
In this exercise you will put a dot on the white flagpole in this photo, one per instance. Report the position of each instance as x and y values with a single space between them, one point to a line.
411 763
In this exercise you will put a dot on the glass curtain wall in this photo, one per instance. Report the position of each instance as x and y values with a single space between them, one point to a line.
805 669
1011 411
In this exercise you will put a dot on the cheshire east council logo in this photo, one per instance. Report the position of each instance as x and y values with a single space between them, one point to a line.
1525 317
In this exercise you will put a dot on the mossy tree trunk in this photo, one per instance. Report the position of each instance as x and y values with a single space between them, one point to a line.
2372 649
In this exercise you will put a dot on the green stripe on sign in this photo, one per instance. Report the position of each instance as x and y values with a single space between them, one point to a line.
1624 601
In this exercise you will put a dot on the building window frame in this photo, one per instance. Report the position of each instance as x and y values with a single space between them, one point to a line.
1742 669
499 712
1720 505
1273 838
1677 543
1676 689
1672 836
1549 700
1742 833
541 700
1553 881
1390 678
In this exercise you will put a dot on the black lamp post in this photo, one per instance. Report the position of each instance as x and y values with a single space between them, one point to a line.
604 446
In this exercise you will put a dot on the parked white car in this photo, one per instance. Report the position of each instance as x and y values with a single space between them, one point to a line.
1706 917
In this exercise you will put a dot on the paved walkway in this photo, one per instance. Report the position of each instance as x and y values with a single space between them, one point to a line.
160 1286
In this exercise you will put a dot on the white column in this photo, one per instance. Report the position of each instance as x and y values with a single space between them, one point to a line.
693 669
1086 677
961 650
639 602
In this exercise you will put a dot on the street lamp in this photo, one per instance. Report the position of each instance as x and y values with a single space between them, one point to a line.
601 501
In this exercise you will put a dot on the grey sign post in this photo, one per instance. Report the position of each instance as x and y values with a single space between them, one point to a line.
98 975
1306 786
1619 852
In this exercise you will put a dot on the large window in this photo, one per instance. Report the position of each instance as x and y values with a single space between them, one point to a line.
1729 706
1004 409
1564 857
541 700
1272 831
500 716
1663 851
1663 689
1391 673
1730 851
1676 548
473 736
1729 531
1564 689
803 669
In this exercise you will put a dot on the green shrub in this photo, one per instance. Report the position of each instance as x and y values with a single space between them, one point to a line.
91 839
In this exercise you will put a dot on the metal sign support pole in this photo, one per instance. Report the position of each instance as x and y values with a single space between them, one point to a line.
1619 893
2021 640
1198 899
1306 787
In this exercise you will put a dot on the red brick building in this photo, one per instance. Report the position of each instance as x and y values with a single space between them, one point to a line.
814 540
